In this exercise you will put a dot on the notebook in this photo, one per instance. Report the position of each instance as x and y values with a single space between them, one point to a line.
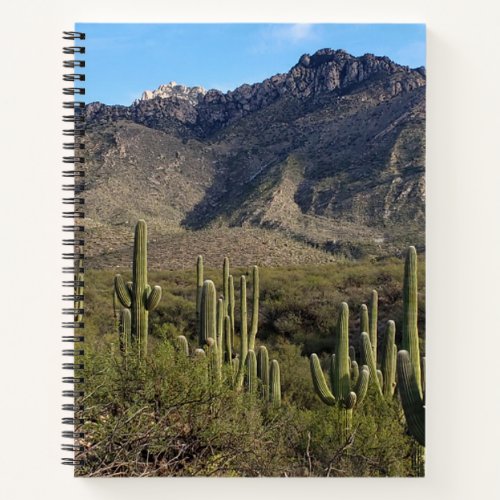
245 220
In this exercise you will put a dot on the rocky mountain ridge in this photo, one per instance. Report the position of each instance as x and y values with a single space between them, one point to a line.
330 154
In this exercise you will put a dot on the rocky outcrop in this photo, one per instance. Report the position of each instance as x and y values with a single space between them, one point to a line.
174 90
201 112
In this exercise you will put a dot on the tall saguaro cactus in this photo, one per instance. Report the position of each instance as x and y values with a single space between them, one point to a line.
373 322
341 377
225 283
411 399
340 374
231 307
199 288
138 296
375 375
364 321
389 361
208 313
251 371
243 330
275 384
410 314
263 370
255 307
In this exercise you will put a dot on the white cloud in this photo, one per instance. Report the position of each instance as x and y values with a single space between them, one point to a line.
297 32
278 36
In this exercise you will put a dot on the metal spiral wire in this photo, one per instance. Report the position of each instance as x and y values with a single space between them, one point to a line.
76 256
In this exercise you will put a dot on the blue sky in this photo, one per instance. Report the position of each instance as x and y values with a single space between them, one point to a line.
123 60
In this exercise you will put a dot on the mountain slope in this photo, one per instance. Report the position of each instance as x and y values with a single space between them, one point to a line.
330 154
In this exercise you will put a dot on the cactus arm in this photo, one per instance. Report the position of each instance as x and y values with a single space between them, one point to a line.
263 370
220 328
341 382
422 374
243 331
364 322
413 405
243 311
350 401
380 377
208 312
125 330
275 384
227 341
354 371
368 356
231 307
235 363
215 367
225 284
116 312
182 345
410 341
331 372
122 292
255 307
373 322
319 381
199 290
153 299
361 387
388 361
251 372
352 353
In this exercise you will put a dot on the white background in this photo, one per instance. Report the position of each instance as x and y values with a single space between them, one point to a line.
463 248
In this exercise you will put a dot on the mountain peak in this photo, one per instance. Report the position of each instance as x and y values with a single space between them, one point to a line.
175 90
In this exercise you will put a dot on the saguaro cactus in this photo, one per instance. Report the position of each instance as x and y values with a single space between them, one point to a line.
412 401
340 374
208 313
214 360
125 328
251 372
220 328
225 283
228 352
231 307
366 348
139 297
243 330
364 321
255 307
263 370
182 345
410 314
199 288
275 384
373 322
389 361
341 377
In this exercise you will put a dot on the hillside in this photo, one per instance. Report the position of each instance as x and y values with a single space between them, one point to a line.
327 158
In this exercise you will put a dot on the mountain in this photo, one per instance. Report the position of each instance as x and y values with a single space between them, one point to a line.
327 159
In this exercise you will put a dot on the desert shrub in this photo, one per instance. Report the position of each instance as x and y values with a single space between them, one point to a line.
165 417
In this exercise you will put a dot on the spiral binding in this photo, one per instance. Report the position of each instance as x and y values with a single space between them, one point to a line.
76 256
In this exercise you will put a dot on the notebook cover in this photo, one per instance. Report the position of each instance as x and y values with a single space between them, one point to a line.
254 250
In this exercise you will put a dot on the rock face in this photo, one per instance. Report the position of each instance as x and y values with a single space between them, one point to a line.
330 153
174 90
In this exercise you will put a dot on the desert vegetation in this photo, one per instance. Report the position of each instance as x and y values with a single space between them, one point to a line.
222 372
